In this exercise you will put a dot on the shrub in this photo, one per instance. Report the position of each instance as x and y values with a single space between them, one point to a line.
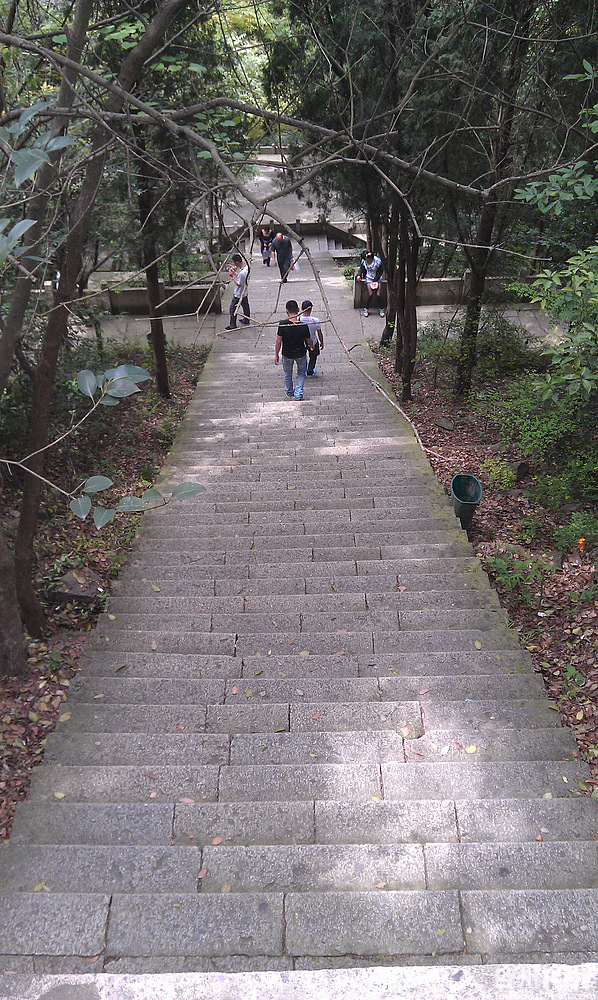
584 525
521 578
498 474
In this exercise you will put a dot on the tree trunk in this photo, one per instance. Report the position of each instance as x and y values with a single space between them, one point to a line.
411 243
13 655
148 252
57 323
12 330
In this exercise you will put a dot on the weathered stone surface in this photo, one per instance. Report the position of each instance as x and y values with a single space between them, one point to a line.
322 747
355 718
123 784
296 782
195 925
92 823
52 923
517 821
244 823
535 779
385 822
373 923
559 920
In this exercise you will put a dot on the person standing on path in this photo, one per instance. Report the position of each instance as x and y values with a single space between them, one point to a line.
266 237
315 332
240 275
370 271
282 249
294 339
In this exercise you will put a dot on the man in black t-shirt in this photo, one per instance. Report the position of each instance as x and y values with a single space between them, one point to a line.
282 249
294 339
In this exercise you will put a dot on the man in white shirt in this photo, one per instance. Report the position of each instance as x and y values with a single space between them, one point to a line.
315 332
240 275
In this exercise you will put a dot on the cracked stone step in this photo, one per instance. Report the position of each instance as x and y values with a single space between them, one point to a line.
314 868
492 744
205 924
136 749
373 923
153 719
112 869
241 823
124 784
96 824
518 820
39 923
474 714
512 866
471 780
300 782
325 748
517 921
173 665
145 690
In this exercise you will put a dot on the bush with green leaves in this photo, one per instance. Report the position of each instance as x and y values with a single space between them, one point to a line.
582 524
576 481
521 578
541 429
498 474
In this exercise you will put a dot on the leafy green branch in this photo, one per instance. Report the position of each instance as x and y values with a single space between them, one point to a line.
106 389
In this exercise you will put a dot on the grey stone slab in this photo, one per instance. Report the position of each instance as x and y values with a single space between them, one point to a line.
179 665
331 602
298 782
247 718
136 749
518 780
349 621
10 966
512 866
323 643
201 925
373 923
516 820
249 624
305 568
244 823
53 923
425 581
110 624
492 744
459 618
322 747
157 604
385 822
379 583
352 717
469 663
261 586
410 565
131 640
92 823
443 600
306 665
512 714
74 868
431 689
443 641
131 581
391 962
187 965
148 719
123 784
557 920
302 689
146 690
314 868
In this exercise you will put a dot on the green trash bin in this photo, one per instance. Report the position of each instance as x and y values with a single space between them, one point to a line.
466 493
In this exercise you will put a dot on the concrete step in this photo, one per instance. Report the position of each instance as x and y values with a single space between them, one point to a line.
158 783
109 869
97 823
492 743
141 690
166 665
131 749
475 714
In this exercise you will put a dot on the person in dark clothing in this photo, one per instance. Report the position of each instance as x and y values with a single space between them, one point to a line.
294 340
370 271
282 249
266 237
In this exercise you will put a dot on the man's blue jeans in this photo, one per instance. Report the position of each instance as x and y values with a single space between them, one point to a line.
287 367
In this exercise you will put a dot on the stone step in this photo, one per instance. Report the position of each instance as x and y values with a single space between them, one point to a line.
124 784
473 714
97 823
303 603
246 540
176 718
491 744
398 867
90 750
185 665
160 641
109 869
339 641
151 558
145 690
477 779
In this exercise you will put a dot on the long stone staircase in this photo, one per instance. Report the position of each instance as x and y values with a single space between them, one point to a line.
304 741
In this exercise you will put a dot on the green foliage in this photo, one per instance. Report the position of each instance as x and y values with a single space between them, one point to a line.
518 577
532 528
540 429
575 481
498 473
582 524
572 183
572 682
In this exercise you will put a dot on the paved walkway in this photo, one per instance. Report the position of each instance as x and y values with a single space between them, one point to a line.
303 737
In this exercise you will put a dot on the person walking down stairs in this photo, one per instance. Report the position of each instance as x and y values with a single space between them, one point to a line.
315 332
294 340
240 275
